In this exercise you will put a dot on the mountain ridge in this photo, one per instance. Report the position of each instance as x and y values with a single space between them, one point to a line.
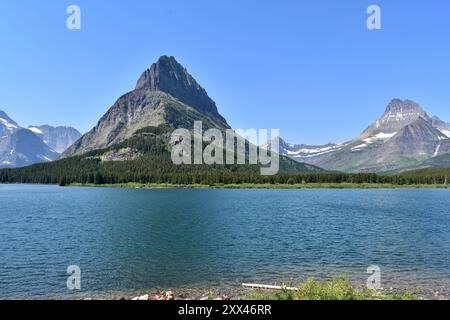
58 138
22 147
166 95
401 139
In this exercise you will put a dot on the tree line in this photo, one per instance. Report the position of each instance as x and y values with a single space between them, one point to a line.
159 169
154 165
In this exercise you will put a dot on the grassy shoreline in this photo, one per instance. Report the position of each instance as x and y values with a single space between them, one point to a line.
337 289
262 186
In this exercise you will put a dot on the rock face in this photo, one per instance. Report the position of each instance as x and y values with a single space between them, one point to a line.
165 94
57 138
167 75
398 114
403 138
21 147
412 144
7 125
418 137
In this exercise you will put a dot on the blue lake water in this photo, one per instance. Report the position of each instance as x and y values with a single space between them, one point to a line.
139 239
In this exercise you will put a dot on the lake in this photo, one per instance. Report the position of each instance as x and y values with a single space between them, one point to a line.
127 240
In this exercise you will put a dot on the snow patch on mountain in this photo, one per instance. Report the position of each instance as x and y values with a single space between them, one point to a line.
10 126
380 137
314 152
445 132
35 130
311 150
359 147
437 150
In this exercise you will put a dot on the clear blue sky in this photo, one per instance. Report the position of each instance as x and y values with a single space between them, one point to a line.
310 68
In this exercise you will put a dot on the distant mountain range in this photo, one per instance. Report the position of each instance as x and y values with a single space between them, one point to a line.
403 138
166 97
22 147
57 138
132 142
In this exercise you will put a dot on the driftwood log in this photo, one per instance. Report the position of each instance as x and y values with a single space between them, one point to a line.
267 287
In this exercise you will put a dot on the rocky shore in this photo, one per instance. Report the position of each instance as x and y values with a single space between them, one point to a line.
234 293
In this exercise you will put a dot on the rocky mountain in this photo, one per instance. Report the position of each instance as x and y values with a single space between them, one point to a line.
302 150
167 75
133 141
403 138
419 137
397 115
444 127
7 125
166 97
22 147
57 138
164 94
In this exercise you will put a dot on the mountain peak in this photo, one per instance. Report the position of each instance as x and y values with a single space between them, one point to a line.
58 138
6 119
7 125
164 72
165 69
169 76
399 113
405 106
165 94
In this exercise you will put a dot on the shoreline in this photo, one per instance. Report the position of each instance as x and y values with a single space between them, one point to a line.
312 186
311 290
133 185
